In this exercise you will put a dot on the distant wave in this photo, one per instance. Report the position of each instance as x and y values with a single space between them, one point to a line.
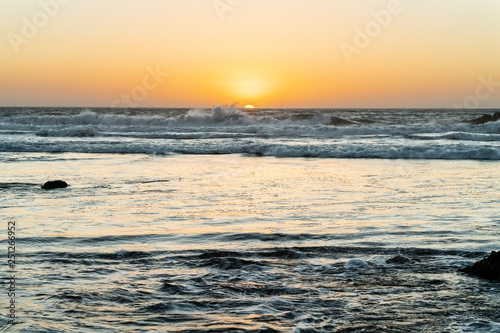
224 130
464 136
222 119
218 116
263 148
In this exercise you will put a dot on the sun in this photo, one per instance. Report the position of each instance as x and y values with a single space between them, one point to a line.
249 106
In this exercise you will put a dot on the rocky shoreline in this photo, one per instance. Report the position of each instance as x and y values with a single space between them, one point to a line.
487 268
485 119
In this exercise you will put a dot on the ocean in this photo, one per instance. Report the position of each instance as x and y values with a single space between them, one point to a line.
265 220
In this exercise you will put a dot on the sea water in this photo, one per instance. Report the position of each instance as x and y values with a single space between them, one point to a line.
262 221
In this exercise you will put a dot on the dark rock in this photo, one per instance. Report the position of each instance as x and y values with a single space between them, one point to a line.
398 260
488 268
485 119
53 184
482 120
435 282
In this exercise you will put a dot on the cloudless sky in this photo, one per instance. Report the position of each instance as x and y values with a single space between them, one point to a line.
270 53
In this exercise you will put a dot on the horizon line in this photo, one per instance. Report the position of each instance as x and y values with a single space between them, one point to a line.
237 107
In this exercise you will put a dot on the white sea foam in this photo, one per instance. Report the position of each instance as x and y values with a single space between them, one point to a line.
232 131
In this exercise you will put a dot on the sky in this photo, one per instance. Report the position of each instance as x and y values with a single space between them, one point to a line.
269 53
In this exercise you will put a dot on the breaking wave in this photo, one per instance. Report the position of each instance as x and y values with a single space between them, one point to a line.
225 130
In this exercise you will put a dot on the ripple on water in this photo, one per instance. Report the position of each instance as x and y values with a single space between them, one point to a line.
299 289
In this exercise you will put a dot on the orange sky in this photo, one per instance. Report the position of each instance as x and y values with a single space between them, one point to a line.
270 53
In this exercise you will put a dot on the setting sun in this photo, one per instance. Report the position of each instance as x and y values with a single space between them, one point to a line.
284 165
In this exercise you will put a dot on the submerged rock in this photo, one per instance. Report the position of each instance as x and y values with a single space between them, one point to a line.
485 119
53 184
399 259
356 264
488 268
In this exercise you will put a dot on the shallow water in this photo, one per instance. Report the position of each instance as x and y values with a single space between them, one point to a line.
231 243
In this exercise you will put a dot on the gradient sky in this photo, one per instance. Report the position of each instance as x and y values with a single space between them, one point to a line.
270 53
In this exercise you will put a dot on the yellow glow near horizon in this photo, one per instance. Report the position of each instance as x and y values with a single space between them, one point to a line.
247 83
263 51
249 106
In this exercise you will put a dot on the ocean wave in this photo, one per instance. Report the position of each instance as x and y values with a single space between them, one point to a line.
77 131
226 120
196 117
459 136
225 130
64 247
269 149
293 289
